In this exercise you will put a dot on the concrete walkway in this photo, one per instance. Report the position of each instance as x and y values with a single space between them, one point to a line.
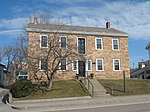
71 103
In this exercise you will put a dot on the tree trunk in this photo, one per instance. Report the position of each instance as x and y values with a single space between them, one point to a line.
50 84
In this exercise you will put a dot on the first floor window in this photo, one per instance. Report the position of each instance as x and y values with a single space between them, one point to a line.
63 64
116 64
43 64
44 41
99 64
89 65
74 66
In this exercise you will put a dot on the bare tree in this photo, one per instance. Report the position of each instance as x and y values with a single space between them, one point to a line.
52 57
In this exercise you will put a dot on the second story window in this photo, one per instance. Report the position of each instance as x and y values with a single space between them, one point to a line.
63 41
99 43
44 41
81 45
115 44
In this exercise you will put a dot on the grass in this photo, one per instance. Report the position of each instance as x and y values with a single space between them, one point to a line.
133 87
60 89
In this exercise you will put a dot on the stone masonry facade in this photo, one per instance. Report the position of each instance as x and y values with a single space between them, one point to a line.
107 54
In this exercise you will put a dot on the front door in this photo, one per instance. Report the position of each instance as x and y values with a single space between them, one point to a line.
81 68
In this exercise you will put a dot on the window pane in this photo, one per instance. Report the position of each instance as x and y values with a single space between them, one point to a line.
115 44
44 41
43 64
116 64
99 43
99 64
89 65
63 42
81 45
63 64
74 65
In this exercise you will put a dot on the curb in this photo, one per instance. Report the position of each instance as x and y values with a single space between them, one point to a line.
53 99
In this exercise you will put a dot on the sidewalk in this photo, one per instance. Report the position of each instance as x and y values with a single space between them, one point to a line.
71 103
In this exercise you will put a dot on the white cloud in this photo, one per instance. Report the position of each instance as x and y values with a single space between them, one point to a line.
10 33
126 16
13 23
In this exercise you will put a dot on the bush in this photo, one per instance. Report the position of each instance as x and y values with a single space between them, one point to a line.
21 88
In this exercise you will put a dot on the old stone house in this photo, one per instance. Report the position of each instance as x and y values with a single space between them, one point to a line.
105 49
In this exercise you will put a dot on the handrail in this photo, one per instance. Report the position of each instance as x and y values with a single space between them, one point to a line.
88 84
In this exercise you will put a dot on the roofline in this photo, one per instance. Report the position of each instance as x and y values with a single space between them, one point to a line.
76 32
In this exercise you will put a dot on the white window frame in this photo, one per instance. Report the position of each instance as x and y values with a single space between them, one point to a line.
66 65
96 43
60 41
41 40
88 65
114 65
113 44
102 64
76 65
77 45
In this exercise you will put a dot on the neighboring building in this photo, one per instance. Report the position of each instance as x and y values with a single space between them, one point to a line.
143 70
105 49
4 76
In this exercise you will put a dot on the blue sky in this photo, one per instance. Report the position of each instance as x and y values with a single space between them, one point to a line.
131 16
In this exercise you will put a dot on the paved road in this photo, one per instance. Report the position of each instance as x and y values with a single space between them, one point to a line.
139 107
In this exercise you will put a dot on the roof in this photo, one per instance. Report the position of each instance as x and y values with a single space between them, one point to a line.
148 46
74 29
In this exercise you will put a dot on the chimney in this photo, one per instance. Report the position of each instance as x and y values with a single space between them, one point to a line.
108 25
35 20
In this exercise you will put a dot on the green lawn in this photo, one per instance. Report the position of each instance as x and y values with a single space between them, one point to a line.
60 89
133 87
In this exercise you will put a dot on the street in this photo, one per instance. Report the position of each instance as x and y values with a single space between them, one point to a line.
141 107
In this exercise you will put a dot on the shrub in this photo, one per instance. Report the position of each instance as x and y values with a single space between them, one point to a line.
21 88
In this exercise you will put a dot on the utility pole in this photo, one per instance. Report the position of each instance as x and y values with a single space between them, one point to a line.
124 82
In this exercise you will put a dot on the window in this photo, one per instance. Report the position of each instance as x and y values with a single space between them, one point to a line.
22 75
88 65
44 41
116 64
115 44
81 45
43 64
63 64
99 43
99 64
74 65
63 42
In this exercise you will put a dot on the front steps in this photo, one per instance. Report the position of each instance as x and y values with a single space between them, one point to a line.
97 90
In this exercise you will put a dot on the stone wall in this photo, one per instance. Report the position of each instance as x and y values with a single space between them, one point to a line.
107 54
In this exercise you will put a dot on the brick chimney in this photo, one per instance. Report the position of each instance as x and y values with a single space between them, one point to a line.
35 20
108 25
